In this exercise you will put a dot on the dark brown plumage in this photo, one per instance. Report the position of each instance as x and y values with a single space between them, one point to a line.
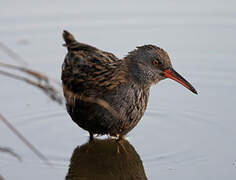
107 95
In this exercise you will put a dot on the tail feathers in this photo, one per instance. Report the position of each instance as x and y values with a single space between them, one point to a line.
68 38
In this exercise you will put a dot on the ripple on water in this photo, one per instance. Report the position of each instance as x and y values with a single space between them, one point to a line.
31 117
181 157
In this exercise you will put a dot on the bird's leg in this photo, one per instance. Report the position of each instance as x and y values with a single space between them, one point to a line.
91 140
90 137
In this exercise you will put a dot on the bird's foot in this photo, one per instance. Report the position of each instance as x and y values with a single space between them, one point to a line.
119 137
120 141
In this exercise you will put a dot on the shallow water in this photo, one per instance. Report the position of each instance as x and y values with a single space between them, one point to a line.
181 136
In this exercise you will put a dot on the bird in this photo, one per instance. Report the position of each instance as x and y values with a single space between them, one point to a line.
107 95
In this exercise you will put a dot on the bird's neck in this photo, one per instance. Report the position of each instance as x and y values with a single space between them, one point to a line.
137 75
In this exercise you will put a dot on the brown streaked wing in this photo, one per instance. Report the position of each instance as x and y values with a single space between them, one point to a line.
88 72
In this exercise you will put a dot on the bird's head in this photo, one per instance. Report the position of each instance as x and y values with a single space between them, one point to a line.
149 64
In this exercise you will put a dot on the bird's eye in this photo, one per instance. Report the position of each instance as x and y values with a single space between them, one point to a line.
155 62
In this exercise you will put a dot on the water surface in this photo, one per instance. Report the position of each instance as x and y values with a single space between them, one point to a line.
181 136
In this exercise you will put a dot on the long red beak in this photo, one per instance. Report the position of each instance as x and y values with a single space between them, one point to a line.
172 74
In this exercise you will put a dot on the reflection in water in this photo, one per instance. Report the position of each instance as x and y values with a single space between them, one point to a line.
106 159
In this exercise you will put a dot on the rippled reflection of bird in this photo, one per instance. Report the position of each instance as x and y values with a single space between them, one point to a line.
122 84
1 178
99 159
